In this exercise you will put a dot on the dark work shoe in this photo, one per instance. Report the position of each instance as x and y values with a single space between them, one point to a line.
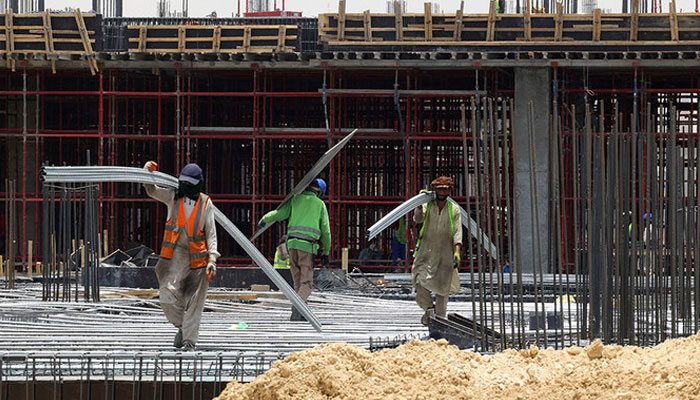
426 317
296 315
187 346
178 339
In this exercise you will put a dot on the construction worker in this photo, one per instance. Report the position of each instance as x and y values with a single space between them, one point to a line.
437 253
281 254
308 231
188 253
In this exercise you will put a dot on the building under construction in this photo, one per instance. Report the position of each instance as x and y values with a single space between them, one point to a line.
572 138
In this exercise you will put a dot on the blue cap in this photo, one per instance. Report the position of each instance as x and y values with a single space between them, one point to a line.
191 173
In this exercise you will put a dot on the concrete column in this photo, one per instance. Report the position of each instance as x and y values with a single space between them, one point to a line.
532 85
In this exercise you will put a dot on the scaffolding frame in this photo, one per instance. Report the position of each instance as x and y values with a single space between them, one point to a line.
255 132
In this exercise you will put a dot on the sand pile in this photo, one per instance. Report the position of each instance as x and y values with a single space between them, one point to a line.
436 370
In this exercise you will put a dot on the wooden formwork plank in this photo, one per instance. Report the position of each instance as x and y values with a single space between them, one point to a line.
9 39
59 31
428 21
181 35
527 27
142 39
341 20
559 22
48 39
491 25
282 38
596 25
634 21
216 42
367 25
673 19
246 38
87 45
398 20
457 34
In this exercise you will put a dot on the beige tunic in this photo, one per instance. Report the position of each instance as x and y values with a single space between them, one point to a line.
183 290
433 267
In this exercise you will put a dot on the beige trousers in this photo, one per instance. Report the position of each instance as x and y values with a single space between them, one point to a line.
425 301
302 269
183 290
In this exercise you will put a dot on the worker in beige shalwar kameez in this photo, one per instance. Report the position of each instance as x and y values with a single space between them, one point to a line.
438 248
188 253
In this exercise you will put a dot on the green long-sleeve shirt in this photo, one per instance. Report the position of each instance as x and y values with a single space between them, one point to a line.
308 223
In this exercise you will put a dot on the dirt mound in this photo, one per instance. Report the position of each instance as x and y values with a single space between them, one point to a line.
436 370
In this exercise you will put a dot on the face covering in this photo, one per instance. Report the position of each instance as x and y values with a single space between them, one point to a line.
441 198
189 191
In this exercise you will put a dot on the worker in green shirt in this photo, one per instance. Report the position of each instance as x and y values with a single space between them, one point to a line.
308 233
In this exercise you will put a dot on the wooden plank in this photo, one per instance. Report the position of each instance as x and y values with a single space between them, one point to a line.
49 39
281 38
9 39
457 35
673 19
61 40
634 21
398 20
526 21
30 259
216 45
246 38
367 25
87 46
181 35
60 31
142 39
428 21
559 22
341 20
596 25
491 25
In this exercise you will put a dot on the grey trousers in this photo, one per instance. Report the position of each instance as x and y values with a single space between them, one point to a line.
425 301
302 269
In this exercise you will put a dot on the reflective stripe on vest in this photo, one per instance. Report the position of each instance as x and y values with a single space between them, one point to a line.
177 224
280 262
304 232
450 214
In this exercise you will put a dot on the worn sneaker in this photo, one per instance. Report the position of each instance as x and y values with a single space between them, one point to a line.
178 339
187 346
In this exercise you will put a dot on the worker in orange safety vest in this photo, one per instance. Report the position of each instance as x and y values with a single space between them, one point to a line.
188 253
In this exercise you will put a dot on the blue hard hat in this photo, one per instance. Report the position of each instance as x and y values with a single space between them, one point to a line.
191 173
321 184
647 215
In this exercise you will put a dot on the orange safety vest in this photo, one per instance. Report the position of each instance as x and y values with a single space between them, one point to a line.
199 256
